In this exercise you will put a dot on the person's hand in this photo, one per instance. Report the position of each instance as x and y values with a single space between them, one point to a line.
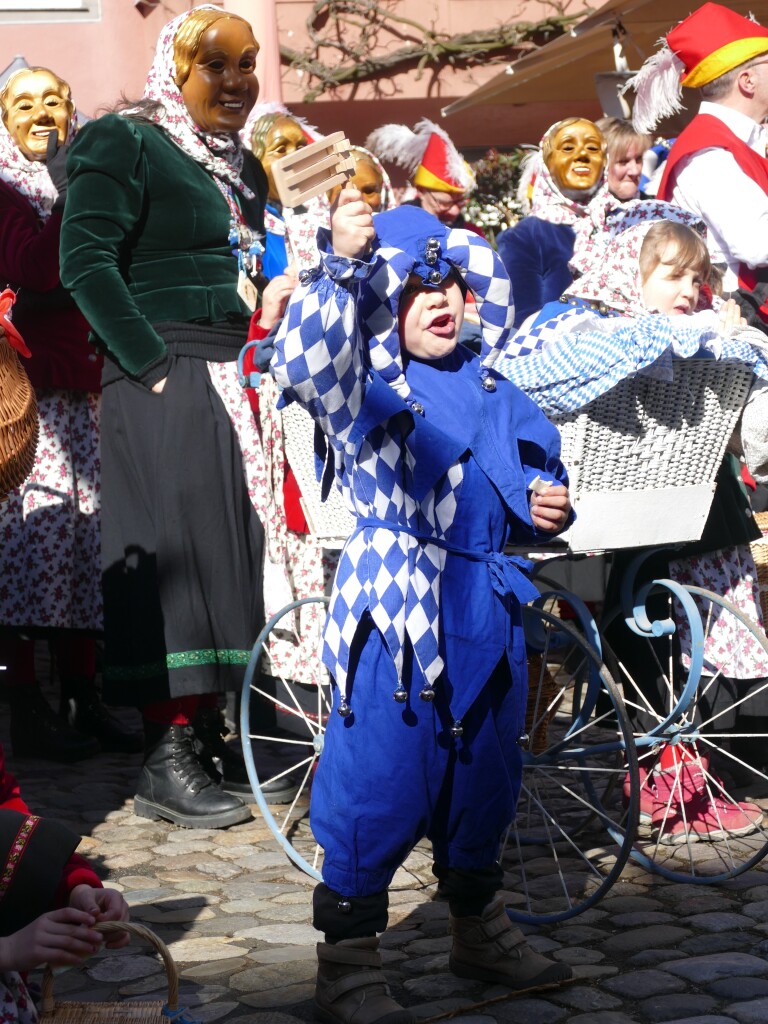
550 508
56 165
351 224
158 387
60 938
729 318
275 297
103 905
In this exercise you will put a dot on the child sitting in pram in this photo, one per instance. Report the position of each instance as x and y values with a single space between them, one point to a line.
645 294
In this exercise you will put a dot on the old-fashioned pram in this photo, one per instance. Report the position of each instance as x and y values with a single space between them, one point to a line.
642 459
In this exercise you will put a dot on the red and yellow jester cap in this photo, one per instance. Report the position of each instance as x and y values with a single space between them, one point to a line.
714 40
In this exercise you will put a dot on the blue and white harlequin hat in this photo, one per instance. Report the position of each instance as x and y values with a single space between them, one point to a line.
412 241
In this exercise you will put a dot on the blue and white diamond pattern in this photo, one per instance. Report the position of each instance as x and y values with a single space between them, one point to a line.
391 574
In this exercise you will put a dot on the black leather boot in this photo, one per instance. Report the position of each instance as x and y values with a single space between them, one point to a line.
81 705
173 784
226 766
37 731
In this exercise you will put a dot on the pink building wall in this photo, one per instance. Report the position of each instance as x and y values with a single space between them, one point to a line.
105 58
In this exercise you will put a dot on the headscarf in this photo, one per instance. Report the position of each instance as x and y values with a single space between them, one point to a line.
614 277
30 178
220 153
548 203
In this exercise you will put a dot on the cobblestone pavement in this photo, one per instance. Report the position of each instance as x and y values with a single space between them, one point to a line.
235 914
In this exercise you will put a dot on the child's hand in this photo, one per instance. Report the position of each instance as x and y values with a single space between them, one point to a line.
103 905
61 938
351 224
730 318
275 297
550 508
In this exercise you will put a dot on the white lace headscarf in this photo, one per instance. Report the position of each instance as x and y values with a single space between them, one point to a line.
586 215
30 177
547 200
220 153
614 277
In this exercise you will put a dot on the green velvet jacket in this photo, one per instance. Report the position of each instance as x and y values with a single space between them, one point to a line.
145 240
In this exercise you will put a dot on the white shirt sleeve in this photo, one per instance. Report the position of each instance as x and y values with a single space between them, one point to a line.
711 184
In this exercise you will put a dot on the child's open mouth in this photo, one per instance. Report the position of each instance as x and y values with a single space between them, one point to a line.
442 325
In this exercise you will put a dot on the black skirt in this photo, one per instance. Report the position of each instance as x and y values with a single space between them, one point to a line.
182 546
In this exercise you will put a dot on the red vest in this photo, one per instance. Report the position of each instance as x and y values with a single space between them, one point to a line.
708 132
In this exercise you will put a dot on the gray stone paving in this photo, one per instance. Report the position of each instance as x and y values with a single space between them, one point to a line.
235 914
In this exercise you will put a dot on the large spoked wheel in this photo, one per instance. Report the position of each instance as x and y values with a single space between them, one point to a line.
286 700
696 687
576 816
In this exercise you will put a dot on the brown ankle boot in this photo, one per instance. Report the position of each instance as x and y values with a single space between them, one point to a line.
489 948
351 988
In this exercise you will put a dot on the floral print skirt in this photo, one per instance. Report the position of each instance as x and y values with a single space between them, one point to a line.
15 1001
295 565
50 566
730 647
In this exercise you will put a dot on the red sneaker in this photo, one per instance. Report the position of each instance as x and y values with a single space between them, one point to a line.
691 807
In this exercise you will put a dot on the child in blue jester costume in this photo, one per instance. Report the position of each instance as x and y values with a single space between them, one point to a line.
435 454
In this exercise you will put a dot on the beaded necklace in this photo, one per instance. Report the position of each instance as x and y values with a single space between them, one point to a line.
244 241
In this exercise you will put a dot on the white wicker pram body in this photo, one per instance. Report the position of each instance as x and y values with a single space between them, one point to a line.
642 458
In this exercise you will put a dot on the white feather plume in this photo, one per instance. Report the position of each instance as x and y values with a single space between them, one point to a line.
398 144
530 166
657 88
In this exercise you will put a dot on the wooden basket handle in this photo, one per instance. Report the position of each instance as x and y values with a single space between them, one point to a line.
140 932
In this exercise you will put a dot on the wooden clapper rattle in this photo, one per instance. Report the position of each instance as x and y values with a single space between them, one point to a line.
314 169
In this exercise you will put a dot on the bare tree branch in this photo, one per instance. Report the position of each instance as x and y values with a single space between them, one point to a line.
353 41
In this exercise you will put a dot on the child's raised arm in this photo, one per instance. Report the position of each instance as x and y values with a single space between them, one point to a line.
351 225
318 353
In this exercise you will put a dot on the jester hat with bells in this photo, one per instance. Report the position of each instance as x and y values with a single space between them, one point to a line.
707 44
412 241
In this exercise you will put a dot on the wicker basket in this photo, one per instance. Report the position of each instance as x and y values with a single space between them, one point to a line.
642 458
18 421
145 1012
328 520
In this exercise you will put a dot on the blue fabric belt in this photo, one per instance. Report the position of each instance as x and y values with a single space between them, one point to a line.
508 572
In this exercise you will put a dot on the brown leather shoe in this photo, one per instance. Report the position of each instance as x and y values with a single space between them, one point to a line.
489 948
351 988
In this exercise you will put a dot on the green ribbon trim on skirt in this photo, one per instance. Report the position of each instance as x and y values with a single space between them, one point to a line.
178 659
